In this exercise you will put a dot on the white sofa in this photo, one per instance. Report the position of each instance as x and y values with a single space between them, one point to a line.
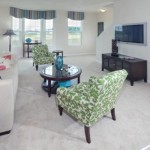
8 92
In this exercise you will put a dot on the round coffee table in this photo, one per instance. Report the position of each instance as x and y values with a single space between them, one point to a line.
52 76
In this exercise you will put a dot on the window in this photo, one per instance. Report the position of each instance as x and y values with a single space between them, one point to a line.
74 32
32 29
49 32
16 40
37 30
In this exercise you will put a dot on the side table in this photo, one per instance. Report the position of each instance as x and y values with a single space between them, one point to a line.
28 45
57 52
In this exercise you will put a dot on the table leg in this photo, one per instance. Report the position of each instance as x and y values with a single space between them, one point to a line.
78 79
44 79
49 88
131 82
23 49
28 50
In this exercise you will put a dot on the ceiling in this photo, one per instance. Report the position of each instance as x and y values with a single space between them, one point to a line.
68 5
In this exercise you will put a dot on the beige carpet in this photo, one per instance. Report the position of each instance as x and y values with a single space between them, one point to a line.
38 125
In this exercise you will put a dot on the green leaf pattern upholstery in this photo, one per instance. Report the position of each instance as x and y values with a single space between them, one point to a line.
89 101
41 55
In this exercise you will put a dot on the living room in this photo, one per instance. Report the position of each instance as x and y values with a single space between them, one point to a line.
37 124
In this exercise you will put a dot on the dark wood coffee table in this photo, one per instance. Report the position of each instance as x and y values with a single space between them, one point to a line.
52 76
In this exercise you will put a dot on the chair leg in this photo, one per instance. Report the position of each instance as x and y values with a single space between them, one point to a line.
113 114
87 134
36 67
60 110
33 63
6 132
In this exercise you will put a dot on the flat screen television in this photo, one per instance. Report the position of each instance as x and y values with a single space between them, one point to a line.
132 33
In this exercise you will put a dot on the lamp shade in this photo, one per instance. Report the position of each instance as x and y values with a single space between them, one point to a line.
9 33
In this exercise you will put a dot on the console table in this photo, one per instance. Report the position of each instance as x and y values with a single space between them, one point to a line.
136 68
28 47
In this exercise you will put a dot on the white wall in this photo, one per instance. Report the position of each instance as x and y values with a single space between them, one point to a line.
103 41
88 35
134 11
60 38
5 23
126 12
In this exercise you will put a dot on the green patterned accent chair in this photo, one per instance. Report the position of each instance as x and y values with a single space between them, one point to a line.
41 55
89 101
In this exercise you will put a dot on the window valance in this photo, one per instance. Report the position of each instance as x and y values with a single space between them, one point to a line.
32 14
76 15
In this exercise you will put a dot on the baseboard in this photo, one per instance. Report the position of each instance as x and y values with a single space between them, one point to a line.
4 133
148 81
98 61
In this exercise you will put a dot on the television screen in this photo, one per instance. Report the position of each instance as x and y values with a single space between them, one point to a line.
133 33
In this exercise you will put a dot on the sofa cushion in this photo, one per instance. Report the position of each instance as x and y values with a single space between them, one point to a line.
2 67
6 60
5 64
7 57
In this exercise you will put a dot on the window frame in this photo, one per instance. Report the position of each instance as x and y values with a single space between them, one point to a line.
17 32
22 35
52 33
77 22
32 36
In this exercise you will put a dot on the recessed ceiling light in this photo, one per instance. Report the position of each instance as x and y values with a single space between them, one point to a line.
102 10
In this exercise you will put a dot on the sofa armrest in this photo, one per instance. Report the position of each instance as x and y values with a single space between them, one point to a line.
6 105
69 96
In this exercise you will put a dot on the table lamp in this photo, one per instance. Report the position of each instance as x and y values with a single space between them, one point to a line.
9 33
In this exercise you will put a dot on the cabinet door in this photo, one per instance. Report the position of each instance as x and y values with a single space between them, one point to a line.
118 64
126 66
112 64
106 62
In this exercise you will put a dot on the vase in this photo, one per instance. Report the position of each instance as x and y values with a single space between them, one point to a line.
59 62
28 40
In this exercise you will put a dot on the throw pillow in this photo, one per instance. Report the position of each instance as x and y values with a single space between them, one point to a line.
2 67
5 62
7 57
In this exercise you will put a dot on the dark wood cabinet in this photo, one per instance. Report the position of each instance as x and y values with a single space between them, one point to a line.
136 68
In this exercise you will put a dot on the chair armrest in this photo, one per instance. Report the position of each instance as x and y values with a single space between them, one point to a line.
78 88
78 95
81 88
44 60
51 54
